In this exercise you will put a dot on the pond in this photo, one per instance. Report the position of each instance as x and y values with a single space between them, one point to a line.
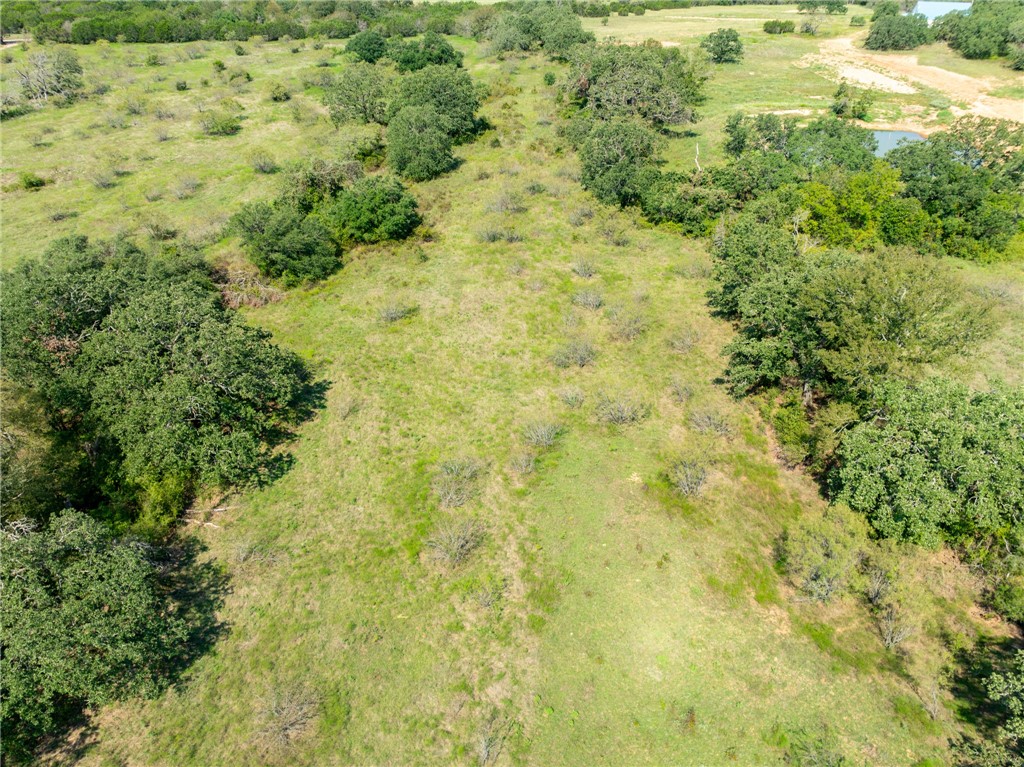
888 139
932 9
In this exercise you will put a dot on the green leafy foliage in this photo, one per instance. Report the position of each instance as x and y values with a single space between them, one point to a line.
553 28
374 209
286 242
448 90
359 94
659 85
938 463
612 157
368 46
419 147
723 46
821 553
990 29
898 33
432 48
86 622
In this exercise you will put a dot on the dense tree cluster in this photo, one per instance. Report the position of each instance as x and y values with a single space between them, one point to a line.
992 28
168 21
893 32
325 206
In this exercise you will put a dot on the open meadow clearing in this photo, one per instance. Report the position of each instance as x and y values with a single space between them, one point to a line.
477 552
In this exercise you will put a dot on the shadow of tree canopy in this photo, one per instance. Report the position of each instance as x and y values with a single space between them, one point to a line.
974 668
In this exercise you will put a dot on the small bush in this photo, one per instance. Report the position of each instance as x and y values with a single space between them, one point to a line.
217 124
536 188
575 353
187 188
684 341
153 60
709 422
523 463
286 715
456 482
102 179
777 27
584 268
580 216
454 542
181 85
681 392
507 202
30 181
621 410
541 433
499 235
588 299
395 312
687 477
262 162
279 93
858 21
629 326
240 51
572 397
62 214
549 78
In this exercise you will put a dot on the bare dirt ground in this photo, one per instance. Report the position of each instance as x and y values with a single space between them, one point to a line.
901 73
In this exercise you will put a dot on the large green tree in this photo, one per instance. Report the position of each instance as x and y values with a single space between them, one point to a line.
86 621
448 90
612 156
419 147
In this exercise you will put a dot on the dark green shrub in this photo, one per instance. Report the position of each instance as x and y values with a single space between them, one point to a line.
374 209
367 46
778 27
30 181
283 242
723 46
898 33
549 78
419 148
279 93
181 85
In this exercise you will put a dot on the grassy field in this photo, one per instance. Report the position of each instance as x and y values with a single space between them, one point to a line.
602 620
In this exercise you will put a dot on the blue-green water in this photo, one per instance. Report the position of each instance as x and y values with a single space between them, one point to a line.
888 140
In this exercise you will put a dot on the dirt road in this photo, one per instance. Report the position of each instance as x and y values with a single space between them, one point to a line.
901 73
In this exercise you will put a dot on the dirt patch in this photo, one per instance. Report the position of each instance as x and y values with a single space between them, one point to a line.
902 73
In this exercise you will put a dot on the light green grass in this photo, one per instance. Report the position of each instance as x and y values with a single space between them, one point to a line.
620 608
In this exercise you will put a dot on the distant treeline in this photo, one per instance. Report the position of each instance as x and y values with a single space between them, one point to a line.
179 21
175 21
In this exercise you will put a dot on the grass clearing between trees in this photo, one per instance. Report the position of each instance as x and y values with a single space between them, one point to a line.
599 617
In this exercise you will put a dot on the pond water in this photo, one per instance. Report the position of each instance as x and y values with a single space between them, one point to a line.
932 9
888 139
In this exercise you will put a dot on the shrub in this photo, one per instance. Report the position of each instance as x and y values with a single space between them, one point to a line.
628 326
858 21
572 397
219 124
507 202
240 51
418 148
455 482
709 422
723 46
575 353
583 268
820 554
541 433
262 162
580 216
285 242
367 46
612 157
187 187
778 27
588 299
523 463
374 209
621 410
285 715
687 476
395 312
453 542
279 93
449 91
549 78
898 33
181 85
30 181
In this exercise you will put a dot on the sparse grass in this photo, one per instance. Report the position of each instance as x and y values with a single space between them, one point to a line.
687 476
583 268
391 313
572 397
455 484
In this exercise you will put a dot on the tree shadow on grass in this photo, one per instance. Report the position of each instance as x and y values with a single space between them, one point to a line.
974 667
